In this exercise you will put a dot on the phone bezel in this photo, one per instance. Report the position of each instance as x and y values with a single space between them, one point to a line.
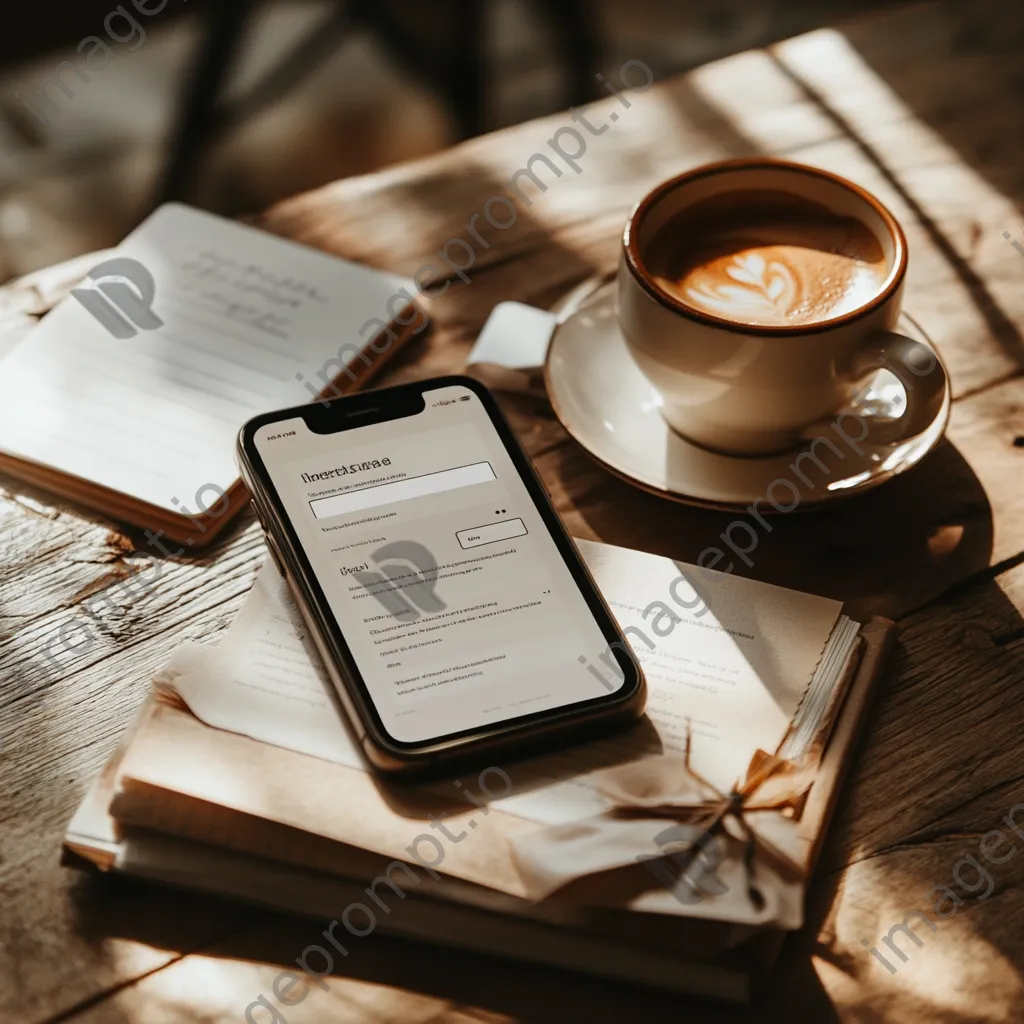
386 404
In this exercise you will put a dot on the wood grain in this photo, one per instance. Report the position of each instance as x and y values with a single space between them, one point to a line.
919 104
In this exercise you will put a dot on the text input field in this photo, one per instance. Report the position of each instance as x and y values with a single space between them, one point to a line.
402 490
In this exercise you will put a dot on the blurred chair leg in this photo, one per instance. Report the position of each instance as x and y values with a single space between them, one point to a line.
577 41
466 84
225 22
454 67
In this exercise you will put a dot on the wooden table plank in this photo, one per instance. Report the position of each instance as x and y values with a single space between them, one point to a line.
940 769
58 944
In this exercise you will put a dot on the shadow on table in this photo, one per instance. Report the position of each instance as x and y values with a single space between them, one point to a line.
883 553
513 990
936 776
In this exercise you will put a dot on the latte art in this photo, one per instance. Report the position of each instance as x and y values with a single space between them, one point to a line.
755 285
768 259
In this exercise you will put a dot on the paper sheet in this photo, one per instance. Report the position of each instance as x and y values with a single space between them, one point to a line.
235 315
264 679
732 656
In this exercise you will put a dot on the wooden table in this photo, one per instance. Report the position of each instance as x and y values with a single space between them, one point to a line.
922 105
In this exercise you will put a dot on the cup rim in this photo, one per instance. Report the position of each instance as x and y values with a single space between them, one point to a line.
644 278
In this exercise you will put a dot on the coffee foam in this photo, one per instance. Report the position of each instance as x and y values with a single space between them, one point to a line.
767 259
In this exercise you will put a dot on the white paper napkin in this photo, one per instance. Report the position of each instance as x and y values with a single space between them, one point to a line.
510 351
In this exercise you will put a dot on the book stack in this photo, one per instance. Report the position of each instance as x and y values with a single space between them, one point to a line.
239 777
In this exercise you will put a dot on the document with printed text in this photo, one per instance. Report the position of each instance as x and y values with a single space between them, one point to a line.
728 658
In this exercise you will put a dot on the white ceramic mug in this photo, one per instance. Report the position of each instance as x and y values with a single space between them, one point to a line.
753 390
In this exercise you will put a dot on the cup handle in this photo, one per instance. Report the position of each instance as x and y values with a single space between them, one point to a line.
918 369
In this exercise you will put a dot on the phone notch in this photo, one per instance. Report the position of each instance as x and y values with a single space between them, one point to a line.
362 410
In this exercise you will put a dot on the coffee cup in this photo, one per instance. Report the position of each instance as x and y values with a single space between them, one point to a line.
755 295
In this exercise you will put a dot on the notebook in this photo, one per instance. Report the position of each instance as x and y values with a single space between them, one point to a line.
128 395
239 777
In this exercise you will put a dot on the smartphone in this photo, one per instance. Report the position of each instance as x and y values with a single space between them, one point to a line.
453 613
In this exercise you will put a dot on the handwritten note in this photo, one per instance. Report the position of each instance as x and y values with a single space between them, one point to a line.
240 322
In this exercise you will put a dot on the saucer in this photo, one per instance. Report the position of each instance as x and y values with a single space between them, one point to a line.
609 407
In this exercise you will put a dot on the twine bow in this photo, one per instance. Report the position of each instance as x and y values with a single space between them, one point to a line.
644 793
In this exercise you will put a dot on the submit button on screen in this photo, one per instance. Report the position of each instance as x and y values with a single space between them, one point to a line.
491 533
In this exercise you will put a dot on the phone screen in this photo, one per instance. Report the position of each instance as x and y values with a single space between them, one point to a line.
446 583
